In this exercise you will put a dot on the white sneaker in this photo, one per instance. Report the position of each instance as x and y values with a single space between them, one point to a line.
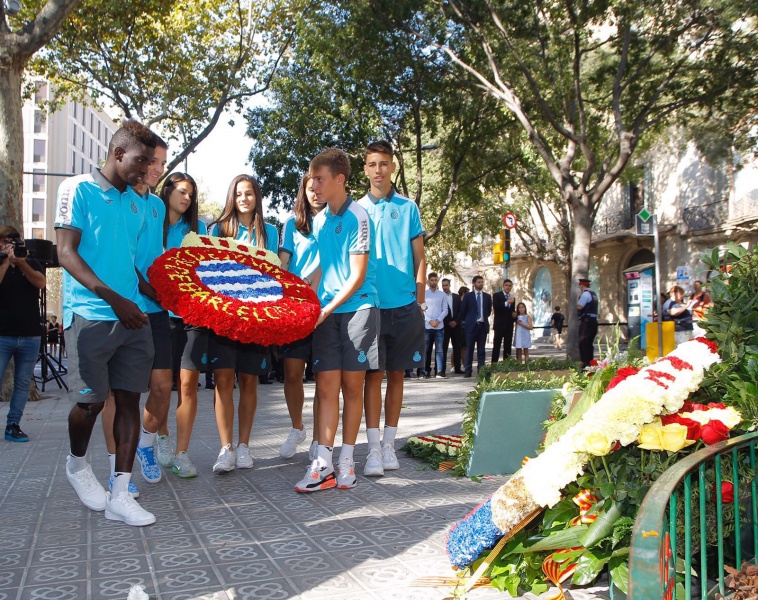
226 461
164 451
289 447
244 460
389 460
313 451
87 487
374 466
346 474
125 508
317 478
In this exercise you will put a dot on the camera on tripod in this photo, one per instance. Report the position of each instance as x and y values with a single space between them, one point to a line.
19 247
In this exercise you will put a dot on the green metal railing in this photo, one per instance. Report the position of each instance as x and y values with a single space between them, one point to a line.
684 522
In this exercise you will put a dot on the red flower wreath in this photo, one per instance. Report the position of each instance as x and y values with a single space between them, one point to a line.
236 294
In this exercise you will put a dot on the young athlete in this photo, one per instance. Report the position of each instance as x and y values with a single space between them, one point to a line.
150 246
99 219
400 284
298 252
189 343
242 219
345 340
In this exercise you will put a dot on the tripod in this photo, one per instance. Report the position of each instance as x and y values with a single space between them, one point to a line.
48 371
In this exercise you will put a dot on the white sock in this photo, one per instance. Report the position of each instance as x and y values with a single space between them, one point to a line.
77 463
112 461
373 438
389 435
324 456
346 452
120 483
147 439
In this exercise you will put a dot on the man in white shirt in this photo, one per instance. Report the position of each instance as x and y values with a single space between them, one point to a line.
434 317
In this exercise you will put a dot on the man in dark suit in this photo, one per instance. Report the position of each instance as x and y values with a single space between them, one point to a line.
504 307
475 312
452 326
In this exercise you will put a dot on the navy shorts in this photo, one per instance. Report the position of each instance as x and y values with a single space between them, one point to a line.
224 353
401 338
161 330
347 342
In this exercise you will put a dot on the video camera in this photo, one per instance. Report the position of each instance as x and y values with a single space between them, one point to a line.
19 247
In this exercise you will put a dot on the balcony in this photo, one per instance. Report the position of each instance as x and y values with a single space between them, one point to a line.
705 216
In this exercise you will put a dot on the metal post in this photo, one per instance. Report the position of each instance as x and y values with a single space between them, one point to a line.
658 284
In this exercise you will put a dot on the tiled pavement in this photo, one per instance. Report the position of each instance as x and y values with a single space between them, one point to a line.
237 536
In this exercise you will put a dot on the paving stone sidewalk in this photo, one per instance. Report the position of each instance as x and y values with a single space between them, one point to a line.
243 535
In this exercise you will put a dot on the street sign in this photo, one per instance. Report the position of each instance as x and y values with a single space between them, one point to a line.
509 220
644 222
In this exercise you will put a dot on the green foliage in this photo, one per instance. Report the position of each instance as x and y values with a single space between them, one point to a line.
428 453
177 65
733 324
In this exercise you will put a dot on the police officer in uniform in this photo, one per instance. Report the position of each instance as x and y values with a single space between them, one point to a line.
587 305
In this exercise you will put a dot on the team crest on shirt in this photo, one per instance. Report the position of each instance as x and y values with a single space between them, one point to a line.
155 213
135 210
338 229
394 214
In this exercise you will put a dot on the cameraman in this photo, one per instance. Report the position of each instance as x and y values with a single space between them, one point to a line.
20 327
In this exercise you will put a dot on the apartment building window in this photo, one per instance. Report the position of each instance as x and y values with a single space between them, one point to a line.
38 181
40 151
82 147
41 94
38 209
38 233
40 122
76 134
99 127
76 110
82 166
91 148
72 169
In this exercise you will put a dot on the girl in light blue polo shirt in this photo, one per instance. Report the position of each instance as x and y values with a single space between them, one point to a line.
189 344
241 219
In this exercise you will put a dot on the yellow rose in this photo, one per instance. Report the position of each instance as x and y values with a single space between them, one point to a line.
594 443
672 437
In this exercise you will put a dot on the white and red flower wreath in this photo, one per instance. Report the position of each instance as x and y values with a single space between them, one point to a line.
236 290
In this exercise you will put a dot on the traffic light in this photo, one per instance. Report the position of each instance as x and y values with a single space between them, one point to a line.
502 250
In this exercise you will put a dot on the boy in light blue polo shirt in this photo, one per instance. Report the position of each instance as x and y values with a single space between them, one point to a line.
99 219
400 281
345 340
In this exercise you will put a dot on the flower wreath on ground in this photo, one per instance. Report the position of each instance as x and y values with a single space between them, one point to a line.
642 412
236 290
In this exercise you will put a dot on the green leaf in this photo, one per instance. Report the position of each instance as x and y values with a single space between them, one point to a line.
602 527
588 566
619 570
565 538
561 513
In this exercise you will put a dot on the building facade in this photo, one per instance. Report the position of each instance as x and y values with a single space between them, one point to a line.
699 207
69 141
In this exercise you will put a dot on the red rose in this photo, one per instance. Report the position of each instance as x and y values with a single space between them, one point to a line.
693 427
714 432
727 492
593 362
692 407
716 405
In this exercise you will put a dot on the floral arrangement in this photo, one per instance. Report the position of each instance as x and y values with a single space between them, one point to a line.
593 477
439 450
236 290
447 444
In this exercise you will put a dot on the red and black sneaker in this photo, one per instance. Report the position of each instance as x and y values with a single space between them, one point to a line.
317 478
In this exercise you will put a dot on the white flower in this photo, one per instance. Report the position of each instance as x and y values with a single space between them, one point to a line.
137 592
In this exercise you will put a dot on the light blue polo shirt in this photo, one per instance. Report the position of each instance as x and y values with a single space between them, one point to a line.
303 249
150 244
178 230
397 223
175 236
338 236
272 236
110 224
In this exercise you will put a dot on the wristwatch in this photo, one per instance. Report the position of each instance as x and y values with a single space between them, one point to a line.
422 305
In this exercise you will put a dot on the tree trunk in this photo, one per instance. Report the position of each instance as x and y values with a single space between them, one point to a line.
11 145
581 213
